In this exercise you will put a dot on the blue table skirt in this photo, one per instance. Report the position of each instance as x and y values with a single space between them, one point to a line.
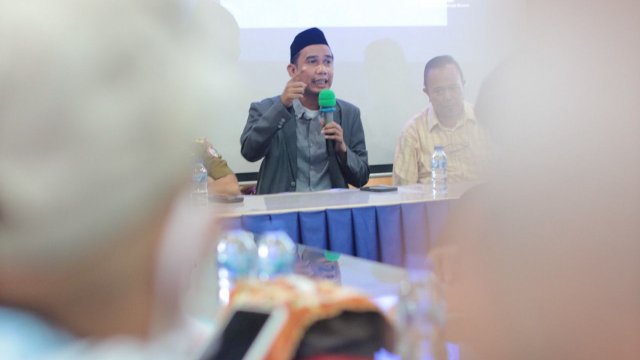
394 234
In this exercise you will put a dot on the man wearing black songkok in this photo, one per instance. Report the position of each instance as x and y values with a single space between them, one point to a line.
300 151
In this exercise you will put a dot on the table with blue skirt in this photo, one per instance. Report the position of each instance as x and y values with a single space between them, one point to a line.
396 227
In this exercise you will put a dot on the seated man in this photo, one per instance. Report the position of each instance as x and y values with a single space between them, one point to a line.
448 121
300 151
221 179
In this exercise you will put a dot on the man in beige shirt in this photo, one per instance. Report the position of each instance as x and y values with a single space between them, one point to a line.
448 121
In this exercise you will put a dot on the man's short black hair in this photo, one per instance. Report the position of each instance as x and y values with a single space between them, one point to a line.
441 61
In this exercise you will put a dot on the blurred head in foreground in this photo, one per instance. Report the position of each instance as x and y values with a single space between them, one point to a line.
544 262
98 100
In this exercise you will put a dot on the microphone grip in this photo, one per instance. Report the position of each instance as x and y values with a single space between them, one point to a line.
327 116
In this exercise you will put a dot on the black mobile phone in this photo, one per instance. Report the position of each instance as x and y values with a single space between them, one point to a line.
247 334
379 188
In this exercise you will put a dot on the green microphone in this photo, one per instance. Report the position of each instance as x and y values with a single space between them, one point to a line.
327 102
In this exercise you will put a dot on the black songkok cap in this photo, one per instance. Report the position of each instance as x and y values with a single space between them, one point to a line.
312 36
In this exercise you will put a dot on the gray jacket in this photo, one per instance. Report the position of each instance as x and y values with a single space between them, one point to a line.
270 133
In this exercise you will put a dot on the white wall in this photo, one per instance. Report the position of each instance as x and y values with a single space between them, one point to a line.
377 68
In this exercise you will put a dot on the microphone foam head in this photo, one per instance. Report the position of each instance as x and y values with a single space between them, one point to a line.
327 98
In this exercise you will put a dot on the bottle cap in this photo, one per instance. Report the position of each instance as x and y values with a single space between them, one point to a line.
331 255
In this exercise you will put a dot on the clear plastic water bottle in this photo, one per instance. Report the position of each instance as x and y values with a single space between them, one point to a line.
237 255
420 318
199 192
439 171
276 254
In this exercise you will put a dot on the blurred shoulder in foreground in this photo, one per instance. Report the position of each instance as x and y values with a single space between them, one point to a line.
92 165
547 264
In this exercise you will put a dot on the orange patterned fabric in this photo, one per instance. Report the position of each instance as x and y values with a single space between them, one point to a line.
307 300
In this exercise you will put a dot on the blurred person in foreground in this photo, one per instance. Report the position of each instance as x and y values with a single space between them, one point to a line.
448 121
544 261
301 152
94 244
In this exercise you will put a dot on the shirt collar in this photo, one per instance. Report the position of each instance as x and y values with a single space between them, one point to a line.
29 335
302 112
432 118
298 108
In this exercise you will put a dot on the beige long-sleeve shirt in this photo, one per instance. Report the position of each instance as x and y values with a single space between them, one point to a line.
466 145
